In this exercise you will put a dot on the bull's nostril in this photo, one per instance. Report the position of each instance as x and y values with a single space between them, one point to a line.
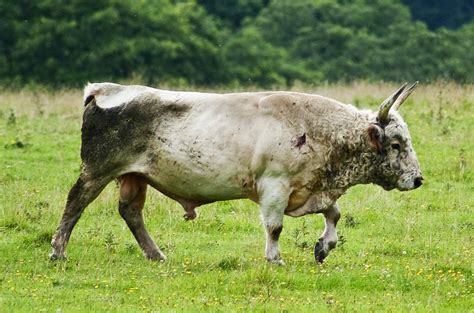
418 182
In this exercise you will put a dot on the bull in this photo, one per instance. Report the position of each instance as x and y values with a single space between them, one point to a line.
292 153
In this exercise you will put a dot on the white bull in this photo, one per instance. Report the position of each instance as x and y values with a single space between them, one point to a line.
292 153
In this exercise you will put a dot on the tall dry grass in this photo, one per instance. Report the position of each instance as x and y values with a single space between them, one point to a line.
69 101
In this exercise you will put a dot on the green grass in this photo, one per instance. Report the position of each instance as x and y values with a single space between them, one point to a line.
398 251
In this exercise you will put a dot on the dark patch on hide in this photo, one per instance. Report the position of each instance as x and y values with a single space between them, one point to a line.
75 191
275 232
113 136
300 141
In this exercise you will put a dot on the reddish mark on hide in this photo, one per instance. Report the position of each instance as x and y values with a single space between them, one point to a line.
300 141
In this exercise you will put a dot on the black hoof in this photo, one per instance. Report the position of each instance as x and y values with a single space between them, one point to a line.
55 257
319 254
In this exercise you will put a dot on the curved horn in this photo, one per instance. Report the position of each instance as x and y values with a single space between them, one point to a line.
404 95
387 104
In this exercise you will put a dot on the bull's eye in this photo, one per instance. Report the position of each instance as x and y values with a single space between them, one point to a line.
396 146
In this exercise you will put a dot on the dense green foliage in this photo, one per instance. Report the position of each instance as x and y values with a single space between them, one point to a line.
442 13
398 251
80 40
210 42
233 12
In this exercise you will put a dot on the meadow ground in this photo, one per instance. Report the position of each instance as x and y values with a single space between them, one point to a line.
397 251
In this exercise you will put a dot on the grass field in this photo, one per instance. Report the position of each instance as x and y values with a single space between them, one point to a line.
397 252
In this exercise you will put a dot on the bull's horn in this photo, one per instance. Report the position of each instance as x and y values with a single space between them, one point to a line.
387 104
404 95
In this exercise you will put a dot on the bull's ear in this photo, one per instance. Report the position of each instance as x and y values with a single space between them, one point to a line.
375 135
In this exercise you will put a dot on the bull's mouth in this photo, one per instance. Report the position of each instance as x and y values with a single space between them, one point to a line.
399 187
387 185
404 188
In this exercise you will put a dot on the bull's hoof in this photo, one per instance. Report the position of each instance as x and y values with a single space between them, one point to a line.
156 257
57 257
278 262
189 215
319 253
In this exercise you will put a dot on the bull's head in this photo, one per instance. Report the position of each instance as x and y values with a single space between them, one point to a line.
397 165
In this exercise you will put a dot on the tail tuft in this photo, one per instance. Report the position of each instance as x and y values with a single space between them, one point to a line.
91 91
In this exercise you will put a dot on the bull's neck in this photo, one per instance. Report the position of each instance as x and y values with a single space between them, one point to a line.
355 167
351 158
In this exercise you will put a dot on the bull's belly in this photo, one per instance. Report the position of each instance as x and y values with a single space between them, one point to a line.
205 179
197 188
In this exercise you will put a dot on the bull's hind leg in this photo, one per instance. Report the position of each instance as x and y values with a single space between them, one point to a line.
132 198
84 191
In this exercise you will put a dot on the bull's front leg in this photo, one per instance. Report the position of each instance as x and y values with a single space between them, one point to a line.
274 194
328 239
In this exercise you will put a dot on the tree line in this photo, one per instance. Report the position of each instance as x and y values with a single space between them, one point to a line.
235 42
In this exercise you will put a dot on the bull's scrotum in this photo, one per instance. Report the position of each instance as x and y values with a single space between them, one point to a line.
292 153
